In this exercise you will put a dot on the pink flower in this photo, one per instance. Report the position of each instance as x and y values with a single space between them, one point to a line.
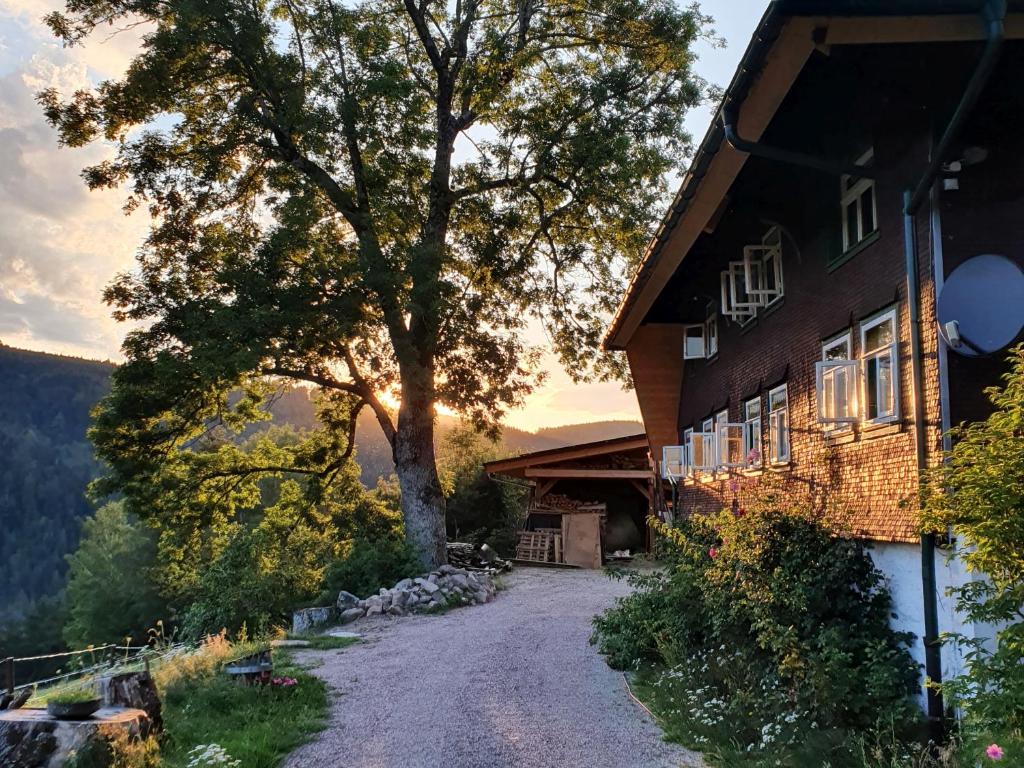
994 752
713 553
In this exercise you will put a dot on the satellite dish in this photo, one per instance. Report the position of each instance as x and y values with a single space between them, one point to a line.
981 306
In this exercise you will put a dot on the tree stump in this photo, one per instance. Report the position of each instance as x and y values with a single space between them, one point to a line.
134 690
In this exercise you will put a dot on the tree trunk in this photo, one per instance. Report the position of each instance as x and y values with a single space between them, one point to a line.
422 499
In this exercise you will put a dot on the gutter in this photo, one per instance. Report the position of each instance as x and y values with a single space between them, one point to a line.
993 12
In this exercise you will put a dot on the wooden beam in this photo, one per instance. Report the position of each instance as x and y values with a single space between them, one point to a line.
607 474
543 489
643 488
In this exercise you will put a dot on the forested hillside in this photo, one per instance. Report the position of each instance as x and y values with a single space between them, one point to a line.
44 413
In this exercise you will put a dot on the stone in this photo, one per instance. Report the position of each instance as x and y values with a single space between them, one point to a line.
433 577
344 633
428 586
481 596
447 569
459 581
399 599
307 618
351 615
403 584
346 600
395 610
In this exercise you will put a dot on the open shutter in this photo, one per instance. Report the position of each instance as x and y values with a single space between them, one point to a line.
702 452
694 345
741 310
837 391
762 269
732 439
673 462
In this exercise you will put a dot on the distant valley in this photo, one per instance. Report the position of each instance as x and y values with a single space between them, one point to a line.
44 414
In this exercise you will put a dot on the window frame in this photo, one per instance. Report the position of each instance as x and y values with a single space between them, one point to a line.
774 458
852 195
707 438
753 438
703 341
688 446
827 368
711 332
891 350
680 451
756 268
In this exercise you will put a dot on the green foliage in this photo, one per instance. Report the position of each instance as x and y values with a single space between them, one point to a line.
766 636
279 557
979 494
73 696
368 565
257 725
477 508
112 593
312 220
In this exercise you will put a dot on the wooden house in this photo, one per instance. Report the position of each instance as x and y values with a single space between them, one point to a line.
783 321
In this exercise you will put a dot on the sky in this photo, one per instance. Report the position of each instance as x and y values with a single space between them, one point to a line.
61 244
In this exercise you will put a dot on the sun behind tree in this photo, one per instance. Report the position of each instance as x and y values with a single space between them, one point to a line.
370 197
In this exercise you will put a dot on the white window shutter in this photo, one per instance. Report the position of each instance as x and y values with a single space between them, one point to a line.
732 441
673 462
702 455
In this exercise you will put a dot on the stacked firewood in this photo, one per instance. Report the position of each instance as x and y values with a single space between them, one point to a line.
473 558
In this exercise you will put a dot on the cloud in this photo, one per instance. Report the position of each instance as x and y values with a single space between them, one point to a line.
59 242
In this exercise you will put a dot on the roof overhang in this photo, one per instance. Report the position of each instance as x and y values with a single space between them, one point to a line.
784 40
538 464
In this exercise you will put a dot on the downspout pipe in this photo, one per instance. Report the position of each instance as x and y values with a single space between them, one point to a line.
993 14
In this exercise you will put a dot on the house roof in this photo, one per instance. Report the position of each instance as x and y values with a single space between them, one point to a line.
760 53
517 464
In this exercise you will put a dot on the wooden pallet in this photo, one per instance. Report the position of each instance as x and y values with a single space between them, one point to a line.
539 547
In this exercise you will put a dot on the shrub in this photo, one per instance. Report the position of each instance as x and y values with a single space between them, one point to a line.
766 629
979 494
369 565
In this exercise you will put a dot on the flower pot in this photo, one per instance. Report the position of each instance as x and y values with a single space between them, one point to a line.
74 710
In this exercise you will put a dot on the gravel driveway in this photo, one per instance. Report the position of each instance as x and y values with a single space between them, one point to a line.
509 683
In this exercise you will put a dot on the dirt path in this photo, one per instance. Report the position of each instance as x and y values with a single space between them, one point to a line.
510 683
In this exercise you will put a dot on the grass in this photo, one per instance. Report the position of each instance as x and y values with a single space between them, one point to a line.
74 696
324 642
257 725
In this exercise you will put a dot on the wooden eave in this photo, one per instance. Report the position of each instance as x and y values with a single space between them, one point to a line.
540 463
770 66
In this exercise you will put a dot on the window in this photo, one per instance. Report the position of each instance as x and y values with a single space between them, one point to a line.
694 345
688 449
879 368
700 340
702 451
731 439
837 382
755 282
762 267
752 433
711 332
778 425
673 462
857 200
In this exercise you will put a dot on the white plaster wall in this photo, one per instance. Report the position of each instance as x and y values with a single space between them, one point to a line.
901 565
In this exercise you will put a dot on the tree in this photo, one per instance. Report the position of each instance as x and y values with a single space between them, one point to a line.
372 197
112 592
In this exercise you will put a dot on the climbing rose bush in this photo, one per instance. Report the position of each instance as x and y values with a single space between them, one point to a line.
766 626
